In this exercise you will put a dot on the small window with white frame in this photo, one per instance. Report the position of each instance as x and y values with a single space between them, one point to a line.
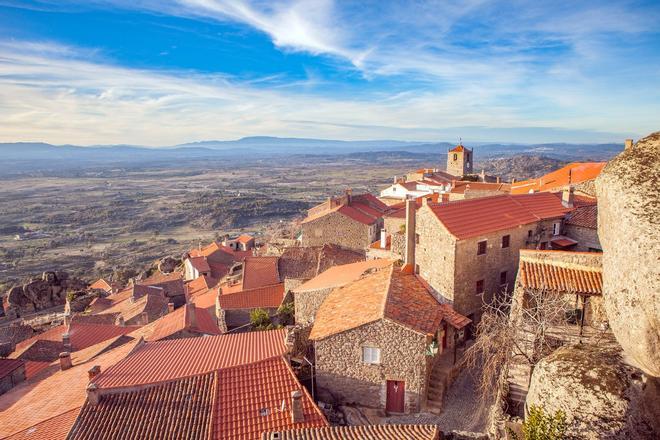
556 228
371 355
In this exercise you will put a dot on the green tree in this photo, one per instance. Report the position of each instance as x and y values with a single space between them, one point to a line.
541 426
260 319
285 313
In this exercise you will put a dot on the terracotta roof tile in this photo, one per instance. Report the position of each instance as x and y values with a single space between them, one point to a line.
584 216
189 318
154 306
200 285
307 262
386 293
171 283
572 173
177 409
7 366
244 238
461 186
32 368
358 215
474 217
457 149
340 275
34 400
55 428
102 284
167 360
259 272
261 297
250 399
366 432
560 276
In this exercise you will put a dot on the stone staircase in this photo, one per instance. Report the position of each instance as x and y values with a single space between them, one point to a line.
518 381
439 382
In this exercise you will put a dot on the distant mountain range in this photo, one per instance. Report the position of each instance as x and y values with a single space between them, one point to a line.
26 155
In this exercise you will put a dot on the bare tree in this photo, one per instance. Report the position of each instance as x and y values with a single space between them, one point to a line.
514 329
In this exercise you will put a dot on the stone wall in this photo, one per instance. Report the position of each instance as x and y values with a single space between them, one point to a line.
587 238
308 303
239 317
336 228
11 380
341 371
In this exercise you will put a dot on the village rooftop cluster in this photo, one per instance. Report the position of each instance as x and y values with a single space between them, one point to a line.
372 305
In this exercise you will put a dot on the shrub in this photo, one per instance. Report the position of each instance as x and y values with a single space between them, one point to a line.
260 319
541 426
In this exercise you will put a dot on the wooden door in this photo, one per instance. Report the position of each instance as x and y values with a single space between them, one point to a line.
396 396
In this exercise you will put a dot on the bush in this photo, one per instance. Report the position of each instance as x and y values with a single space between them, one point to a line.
541 426
285 313
260 319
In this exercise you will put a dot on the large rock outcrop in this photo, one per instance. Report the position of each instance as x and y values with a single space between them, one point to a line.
629 231
41 293
602 397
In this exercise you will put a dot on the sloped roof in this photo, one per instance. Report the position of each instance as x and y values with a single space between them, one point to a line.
358 213
364 208
182 319
572 173
102 284
244 238
259 272
34 400
366 432
461 186
261 297
153 305
457 149
171 283
54 428
176 409
398 210
8 366
167 360
200 263
474 217
584 216
340 275
200 285
386 293
560 276
249 401
308 262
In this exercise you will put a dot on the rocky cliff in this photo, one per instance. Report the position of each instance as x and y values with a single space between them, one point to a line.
628 192
41 293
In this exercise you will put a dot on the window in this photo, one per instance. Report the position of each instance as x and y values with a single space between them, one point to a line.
505 241
480 287
529 234
417 269
416 238
556 228
502 278
371 355
481 247
455 156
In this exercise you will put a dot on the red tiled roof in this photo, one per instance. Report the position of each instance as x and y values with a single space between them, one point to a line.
457 149
340 275
584 216
461 186
32 368
55 428
200 285
365 432
387 293
309 261
560 276
182 319
357 215
364 208
399 209
171 283
261 297
201 264
572 173
563 241
181 409
7 366
102 284
250 399
205 300
474 217
244 238
167 360
259 272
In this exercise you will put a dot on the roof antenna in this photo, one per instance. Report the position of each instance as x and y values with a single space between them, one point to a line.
460 140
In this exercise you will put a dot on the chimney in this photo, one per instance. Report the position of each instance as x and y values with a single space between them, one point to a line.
191 316
297 415
93 394
498 179
144 318
567 197
513 180
383 238
410 232
65 360
66 341
396 180
349 195
629 144
120 321
93 372
170 307
483 175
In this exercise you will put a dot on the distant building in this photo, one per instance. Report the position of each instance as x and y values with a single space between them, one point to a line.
570 175
243 242
460 161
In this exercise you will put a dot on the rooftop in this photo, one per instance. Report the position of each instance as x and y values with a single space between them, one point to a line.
307 262
167 360
584 216
259 272
364 208
367 432
8 366
473 217
189 318
572 173
386 293
340 275
561 271
261 297
55 428
461 186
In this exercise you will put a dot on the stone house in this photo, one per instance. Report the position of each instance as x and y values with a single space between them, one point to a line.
185 322
350 221
375 340
581 225
243 242
309 296
214 260
12 372
233 310
468 250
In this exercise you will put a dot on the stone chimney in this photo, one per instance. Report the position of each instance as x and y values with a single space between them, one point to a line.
93 372
67 319
120 321
629 144
349 196
170 307
411 206
191 316
65 360
144 318
383 239
567 197
498 179
396 179
66 342
93 394
297 415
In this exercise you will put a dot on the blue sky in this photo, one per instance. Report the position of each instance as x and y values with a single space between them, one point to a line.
157 72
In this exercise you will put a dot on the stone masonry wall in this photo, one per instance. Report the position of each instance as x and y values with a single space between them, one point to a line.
336 228
308 303
341 371
587 238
